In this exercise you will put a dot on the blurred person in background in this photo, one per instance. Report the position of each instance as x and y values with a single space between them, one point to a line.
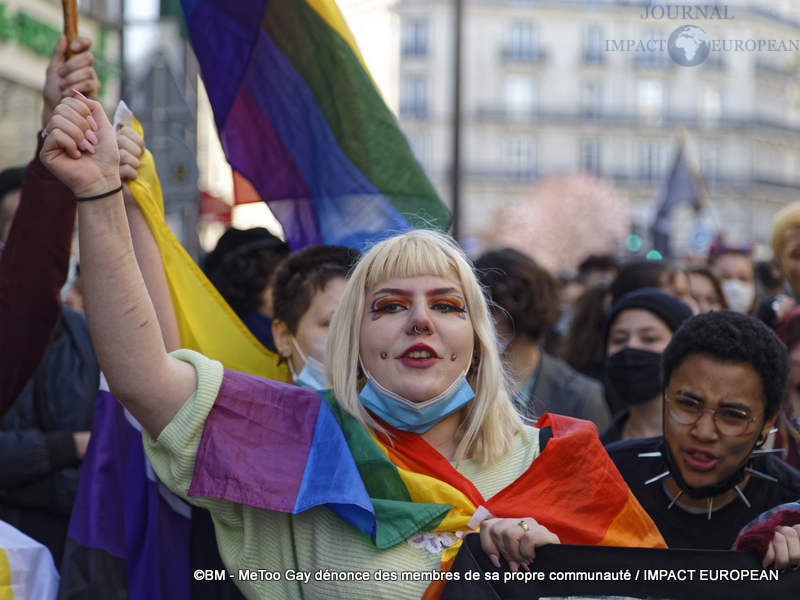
788 422
241 268
785 244
598 269
525 306
306 290
705 289
652 274
640 325
769 281
733 266
583 347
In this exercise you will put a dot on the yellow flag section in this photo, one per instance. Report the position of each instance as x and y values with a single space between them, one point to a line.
27 571
206 322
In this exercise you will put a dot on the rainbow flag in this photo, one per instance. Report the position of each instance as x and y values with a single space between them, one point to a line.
300 117
392 491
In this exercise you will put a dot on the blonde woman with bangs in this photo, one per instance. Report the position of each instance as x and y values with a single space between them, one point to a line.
489 424
416 445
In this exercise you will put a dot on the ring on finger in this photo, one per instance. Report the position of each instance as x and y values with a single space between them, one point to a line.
524 525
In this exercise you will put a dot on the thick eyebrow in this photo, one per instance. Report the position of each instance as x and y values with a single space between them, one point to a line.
723 404
444 292
392 292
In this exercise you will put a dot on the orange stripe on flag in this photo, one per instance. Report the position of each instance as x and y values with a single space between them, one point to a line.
243 190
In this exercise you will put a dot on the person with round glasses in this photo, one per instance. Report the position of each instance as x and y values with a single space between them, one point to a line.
708 475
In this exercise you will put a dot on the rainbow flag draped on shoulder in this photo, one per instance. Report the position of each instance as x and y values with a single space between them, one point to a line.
392 491
300 117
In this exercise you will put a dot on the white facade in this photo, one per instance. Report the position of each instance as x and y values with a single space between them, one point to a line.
547 90
28 31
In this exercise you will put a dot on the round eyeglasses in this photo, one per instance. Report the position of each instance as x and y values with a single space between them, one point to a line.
729 420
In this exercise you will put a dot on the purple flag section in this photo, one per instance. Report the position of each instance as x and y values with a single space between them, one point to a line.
278 447
128 535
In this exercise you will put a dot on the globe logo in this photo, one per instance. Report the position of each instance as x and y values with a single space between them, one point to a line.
688 45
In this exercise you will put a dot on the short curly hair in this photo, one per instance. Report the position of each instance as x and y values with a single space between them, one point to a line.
526 292
734 338
242 264
304 273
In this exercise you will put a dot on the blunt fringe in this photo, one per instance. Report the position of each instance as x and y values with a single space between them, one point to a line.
490 423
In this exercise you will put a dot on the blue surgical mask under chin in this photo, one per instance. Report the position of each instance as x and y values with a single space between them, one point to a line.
416 417
312 375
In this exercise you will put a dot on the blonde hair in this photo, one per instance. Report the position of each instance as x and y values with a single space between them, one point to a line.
490 422
786 218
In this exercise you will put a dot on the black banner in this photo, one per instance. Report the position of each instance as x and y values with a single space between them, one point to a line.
563 571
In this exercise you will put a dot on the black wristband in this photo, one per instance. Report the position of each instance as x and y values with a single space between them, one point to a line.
98 196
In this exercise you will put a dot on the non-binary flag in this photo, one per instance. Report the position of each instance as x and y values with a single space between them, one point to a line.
300 117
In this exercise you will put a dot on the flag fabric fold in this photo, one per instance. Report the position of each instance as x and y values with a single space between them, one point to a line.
391 490
300 117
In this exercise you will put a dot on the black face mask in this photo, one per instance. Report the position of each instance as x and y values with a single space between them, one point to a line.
634 375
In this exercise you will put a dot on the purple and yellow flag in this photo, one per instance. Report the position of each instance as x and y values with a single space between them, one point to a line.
300 117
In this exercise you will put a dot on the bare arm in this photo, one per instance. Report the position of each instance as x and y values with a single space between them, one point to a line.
122 320
131 149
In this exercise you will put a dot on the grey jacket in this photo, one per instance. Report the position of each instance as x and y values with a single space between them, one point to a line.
560 389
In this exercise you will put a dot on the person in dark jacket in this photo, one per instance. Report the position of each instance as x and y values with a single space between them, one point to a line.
44 436
49 379
526 306
704 479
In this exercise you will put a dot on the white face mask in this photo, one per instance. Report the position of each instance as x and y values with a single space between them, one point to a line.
738 294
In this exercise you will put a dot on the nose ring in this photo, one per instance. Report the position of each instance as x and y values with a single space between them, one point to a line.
417 331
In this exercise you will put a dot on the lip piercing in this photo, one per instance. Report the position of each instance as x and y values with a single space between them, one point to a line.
453 357
384 356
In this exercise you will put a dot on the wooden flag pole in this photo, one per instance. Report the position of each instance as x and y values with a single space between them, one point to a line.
70 22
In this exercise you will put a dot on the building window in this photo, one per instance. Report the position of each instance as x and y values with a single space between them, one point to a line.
592 99
414 38
650 99
414 96
590 156
111 10
522 43
593 44
520 158
520 95
421 147
650 163
655 54
710 105
709 163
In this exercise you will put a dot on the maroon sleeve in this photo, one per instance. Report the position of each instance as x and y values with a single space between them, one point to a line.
33 267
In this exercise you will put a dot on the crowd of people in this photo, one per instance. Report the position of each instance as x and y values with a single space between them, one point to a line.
639 403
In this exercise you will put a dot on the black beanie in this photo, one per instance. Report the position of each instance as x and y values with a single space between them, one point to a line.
666 307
